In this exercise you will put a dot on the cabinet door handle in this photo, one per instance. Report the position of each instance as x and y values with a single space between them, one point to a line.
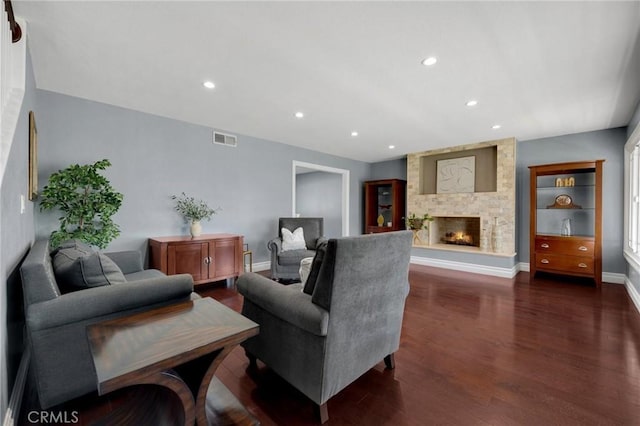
544 261
544 245
582 248
207 260
582 265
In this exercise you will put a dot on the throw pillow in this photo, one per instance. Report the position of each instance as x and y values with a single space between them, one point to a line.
77 268
76 244
293 240
312 278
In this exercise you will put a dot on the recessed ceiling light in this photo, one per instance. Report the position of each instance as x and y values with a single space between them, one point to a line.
431 60
496 126
354 134
299 114
209 84
392 146
471 103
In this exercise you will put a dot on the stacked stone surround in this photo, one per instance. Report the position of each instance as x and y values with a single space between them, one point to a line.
495 209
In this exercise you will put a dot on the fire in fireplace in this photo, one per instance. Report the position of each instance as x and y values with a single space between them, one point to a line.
462 231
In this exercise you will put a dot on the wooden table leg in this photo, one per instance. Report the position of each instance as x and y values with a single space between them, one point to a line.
211 396
172 381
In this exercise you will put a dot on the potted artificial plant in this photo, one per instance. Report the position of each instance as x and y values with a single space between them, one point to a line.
87 201
418 223
193 211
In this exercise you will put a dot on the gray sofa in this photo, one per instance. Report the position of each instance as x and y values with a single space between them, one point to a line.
61 362
346 318
285 264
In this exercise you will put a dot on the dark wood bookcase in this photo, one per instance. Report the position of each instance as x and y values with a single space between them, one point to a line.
386 198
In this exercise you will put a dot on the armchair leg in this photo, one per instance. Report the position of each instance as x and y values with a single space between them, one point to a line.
323 412
389 362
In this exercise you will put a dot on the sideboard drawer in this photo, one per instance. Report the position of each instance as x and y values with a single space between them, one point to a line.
576 264
567 245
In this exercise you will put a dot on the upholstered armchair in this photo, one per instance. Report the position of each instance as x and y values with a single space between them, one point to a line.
286 263
322 335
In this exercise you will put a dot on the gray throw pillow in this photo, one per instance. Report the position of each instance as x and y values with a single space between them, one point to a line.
77 268
76 244
310 284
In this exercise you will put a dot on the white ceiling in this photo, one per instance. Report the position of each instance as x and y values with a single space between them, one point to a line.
537 68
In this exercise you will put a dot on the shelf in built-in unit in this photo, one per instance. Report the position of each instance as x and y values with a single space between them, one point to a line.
462 249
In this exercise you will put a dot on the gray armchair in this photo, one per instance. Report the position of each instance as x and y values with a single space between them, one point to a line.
286 264
346 320
56 323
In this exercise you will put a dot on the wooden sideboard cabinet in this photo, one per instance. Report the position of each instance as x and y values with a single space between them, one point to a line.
566 219
208 258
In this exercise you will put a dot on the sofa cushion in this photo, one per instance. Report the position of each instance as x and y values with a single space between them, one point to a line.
310 284
78 267
293 257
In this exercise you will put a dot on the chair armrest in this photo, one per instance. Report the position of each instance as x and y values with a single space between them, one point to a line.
275 245
288 303
321 240
99 301
128 261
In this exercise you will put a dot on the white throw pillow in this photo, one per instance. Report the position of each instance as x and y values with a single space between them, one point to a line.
293 240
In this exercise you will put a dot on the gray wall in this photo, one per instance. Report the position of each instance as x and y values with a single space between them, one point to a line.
392 169
603 144
319 194
16 237
154 157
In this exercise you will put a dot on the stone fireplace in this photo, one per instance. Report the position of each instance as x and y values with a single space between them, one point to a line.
478 219
456 230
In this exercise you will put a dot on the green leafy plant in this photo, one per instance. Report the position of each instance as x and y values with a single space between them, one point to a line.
415 223
193 209
87 201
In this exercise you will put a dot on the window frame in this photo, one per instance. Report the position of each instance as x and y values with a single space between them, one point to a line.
631 247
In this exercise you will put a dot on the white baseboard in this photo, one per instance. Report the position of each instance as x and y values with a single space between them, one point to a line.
11 417
607 277
523 267
633 293
466 267
260 266
613 278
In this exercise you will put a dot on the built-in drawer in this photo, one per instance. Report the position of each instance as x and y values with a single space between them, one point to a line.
565 245
570 264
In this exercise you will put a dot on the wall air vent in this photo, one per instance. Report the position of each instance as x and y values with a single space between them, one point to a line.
225 139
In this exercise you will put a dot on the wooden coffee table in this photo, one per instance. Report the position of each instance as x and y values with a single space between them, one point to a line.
179 348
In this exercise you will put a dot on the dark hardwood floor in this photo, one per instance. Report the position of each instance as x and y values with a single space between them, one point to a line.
478 350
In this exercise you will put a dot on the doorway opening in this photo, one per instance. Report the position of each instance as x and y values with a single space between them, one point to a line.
300 167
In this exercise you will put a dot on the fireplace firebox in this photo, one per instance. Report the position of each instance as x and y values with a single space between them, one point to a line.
456 230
